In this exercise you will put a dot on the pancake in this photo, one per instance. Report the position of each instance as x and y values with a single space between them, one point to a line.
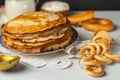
27 33
34 22
39 46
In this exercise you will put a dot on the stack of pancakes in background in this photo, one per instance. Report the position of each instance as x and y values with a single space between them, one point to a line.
37 32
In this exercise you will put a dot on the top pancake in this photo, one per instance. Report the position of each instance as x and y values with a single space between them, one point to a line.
34 22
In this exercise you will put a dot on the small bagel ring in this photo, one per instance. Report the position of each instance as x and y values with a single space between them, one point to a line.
99 34
103 41
98 24
103 48
104 59
96 46
112 56
85 56
95 71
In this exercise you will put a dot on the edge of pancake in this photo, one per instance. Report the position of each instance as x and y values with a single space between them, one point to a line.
54 45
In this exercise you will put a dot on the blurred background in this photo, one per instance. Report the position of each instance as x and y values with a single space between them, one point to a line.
86 4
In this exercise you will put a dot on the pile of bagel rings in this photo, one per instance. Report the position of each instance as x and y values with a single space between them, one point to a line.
95 54
89 22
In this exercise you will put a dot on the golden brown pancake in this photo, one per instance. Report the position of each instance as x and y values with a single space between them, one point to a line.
39 46
34 22
37 32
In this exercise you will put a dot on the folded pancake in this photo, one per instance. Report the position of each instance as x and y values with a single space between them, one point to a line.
37 32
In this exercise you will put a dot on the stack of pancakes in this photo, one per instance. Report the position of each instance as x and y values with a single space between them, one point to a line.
37 32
